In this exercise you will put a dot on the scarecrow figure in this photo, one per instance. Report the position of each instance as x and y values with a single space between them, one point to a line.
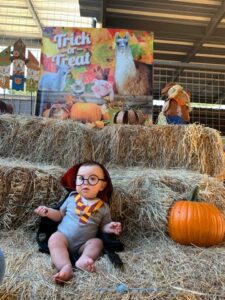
176 109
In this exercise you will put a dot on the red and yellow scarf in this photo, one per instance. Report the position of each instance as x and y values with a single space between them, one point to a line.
84 211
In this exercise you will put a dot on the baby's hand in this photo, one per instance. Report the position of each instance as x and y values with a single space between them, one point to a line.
41 211
113 227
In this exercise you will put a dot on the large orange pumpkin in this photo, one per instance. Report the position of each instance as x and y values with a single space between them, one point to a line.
198 223
85 112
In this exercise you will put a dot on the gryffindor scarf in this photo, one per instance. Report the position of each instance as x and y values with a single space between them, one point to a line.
84 211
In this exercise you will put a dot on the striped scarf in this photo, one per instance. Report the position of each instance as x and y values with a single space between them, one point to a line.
84 211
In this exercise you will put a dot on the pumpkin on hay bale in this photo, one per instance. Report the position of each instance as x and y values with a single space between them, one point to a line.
142 197
195 222
85 112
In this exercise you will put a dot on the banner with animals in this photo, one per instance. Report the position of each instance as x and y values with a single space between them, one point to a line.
96 75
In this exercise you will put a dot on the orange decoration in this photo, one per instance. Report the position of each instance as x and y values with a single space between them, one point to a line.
106 116
198 223
99 124
85 112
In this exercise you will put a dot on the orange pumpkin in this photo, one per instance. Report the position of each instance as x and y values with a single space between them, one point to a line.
106 116
85 112
197 223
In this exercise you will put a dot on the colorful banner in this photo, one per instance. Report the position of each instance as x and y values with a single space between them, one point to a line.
18 65
32 73
92 75
5 62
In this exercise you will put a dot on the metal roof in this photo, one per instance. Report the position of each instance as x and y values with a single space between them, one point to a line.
26 18
188 31
189 40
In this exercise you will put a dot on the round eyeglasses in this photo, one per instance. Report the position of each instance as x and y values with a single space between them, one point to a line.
92 180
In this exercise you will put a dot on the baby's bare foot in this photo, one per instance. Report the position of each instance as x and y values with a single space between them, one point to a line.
65 274
85 263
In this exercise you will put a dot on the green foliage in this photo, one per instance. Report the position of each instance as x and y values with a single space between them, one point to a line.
137 51
102 54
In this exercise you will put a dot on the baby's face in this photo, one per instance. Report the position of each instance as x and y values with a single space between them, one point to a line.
86 190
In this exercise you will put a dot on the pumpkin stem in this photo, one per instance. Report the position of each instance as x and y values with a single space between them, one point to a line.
195 194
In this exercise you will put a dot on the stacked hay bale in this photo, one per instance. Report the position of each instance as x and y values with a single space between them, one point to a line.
143 196
192 147
62 143
24 186
44 140
150 167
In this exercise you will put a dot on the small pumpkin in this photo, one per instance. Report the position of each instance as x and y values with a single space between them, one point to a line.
85 112
129 116
99 124
198 223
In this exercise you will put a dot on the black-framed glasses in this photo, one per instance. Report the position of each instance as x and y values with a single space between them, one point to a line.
92 180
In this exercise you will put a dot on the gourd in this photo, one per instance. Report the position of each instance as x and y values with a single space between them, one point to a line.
195 222
85 112
129 116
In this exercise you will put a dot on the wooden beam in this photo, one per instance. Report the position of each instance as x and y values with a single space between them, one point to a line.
103 16
34 14
215 20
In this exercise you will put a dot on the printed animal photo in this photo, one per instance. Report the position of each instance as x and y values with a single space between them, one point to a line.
109 70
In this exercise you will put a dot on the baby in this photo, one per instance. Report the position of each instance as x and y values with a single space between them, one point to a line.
83 213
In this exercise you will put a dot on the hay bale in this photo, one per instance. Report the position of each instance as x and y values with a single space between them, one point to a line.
50 141
155 268
192 147
63 143
142 196
28 185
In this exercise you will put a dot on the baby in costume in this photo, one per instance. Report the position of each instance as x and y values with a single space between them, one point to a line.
83 213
